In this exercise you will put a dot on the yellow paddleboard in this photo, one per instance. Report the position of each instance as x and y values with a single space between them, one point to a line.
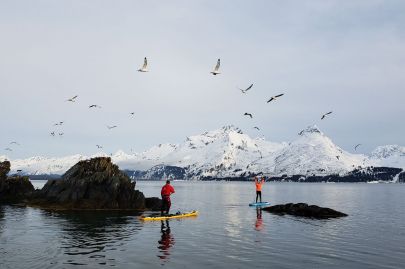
175 216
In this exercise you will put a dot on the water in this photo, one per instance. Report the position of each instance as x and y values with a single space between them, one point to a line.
226 234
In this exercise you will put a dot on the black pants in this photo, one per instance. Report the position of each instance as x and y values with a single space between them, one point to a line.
166 203
259 194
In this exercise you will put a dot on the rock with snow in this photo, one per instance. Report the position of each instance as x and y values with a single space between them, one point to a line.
13 189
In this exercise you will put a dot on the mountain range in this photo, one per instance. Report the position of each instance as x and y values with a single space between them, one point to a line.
229 153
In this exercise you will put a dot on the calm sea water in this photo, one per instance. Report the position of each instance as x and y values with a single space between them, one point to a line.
226 234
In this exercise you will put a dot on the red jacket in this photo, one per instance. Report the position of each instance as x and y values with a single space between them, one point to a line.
167 190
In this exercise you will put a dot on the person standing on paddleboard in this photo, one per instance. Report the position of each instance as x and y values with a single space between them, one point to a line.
259 185
167 190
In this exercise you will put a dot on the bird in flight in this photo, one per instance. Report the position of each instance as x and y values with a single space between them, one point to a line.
301 133
144 67
111 127
337 157
60 134
355 148
132 113
95 106
245 90
73 99
58 123
53 134
98 146
15 143
275 97
248 114
256 128
8 149
324 115
216 68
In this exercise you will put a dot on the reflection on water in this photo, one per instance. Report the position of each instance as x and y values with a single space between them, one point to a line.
259 220
166 241
91 235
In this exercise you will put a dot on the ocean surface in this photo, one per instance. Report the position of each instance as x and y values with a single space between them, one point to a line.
227 233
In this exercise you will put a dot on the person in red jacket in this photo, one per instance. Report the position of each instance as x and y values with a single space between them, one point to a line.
167 190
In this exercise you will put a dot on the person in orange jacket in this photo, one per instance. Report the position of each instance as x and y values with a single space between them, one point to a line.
259 185
167 190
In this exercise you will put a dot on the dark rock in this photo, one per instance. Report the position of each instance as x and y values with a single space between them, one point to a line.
91 184
305 210
153 203
4 169
15 189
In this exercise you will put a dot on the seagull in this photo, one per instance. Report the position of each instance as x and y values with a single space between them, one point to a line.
324 115
58 123
53 133
248 114
301 133
98 146
245 90
355 148
19 170
144 67
60 134
111 127
95 106
256 128
14 142
216 68
8 149
337 157
275 97
132 113
73 99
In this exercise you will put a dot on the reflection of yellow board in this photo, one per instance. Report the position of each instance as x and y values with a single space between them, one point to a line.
175 216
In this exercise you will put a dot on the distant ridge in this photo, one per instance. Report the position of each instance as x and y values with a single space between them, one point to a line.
228 152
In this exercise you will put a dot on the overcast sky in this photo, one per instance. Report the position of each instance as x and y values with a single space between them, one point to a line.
344 56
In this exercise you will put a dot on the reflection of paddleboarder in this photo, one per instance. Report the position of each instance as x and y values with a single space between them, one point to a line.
259 220
166 241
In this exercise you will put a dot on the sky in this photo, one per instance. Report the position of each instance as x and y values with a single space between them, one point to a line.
342 56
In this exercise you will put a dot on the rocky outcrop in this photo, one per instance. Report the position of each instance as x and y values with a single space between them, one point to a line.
91 184
305 210
153 203
4 169
13 189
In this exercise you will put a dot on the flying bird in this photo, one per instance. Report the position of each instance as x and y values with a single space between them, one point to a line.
15 143
19 170
337 157
275 97
256 128
98 146
301 132
132 113
216 68
111 127
60 134
73 99
144 67
8 149
355 148
324 115
53 134
245 90
248 114
95 106
58 123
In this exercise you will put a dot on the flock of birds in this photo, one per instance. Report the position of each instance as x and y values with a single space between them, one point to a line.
143 69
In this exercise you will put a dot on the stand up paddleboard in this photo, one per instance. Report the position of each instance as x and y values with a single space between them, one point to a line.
259 204
193 213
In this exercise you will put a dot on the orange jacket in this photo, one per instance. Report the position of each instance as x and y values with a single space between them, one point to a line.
259 184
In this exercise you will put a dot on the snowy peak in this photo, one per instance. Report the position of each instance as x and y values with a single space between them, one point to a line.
384 152
311 130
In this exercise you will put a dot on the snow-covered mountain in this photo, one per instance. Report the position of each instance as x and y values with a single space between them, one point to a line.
228 152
